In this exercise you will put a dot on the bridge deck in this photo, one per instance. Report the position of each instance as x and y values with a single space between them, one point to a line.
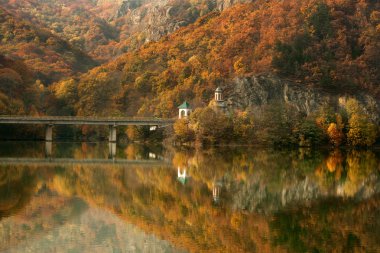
64 120
72 161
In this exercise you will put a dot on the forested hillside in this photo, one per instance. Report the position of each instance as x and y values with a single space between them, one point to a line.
333 45
77 22
20 92
15 80
44 54
106 29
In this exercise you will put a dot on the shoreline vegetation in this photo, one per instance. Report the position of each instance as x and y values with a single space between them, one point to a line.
280 126
275 125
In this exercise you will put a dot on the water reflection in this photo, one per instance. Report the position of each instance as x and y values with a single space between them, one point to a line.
235 201
216 190
182 176
16 188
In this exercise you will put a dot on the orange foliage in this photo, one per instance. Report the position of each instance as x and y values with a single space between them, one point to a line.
336 48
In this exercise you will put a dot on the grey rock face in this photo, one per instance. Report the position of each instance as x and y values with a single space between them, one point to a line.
154 19
127 6
255 91
157 18
224 4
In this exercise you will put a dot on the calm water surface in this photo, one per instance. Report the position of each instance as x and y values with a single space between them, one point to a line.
92 197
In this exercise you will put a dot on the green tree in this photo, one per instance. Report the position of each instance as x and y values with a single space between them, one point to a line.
290 57
319 21
278 125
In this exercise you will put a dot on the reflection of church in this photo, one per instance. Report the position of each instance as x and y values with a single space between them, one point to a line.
216 190
182 176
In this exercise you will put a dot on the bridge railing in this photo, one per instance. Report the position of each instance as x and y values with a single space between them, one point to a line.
82 118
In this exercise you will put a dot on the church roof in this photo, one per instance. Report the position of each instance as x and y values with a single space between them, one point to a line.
218 89
185 105
183 180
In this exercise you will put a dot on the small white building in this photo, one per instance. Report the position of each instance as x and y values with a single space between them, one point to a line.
219 101
218 95
184 110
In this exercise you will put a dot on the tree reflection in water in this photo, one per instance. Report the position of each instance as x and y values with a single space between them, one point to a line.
236 201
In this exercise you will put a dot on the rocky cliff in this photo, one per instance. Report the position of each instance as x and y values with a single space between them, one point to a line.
255 91
224 4
153 19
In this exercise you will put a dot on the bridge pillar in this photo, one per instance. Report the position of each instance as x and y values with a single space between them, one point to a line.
49 133
112 150
48 148
112 136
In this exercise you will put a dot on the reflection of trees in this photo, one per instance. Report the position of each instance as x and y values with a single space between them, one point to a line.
345 173
25 193
329 226
22 149
42 216
16 188
254 182
155 201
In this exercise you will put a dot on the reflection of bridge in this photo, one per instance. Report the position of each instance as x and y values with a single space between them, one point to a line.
50 121
72 161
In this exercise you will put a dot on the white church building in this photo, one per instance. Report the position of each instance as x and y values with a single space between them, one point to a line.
218 103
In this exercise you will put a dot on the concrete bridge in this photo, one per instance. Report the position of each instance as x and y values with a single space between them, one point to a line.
86 162
112 122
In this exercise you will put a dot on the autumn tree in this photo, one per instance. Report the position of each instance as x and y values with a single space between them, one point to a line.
278 125
243 127
210 126
183 132
362 131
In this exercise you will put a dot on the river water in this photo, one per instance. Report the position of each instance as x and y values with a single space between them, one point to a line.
92 197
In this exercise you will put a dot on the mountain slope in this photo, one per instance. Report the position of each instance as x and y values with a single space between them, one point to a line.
142 21
19 91
45 54
77 22
107 28
332 46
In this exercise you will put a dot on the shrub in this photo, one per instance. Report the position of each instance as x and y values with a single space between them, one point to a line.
362 132
182 131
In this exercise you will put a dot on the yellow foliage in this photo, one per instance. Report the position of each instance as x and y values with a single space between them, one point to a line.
61 186
236 220
334 161
182 131
335 134
362 131
239 66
